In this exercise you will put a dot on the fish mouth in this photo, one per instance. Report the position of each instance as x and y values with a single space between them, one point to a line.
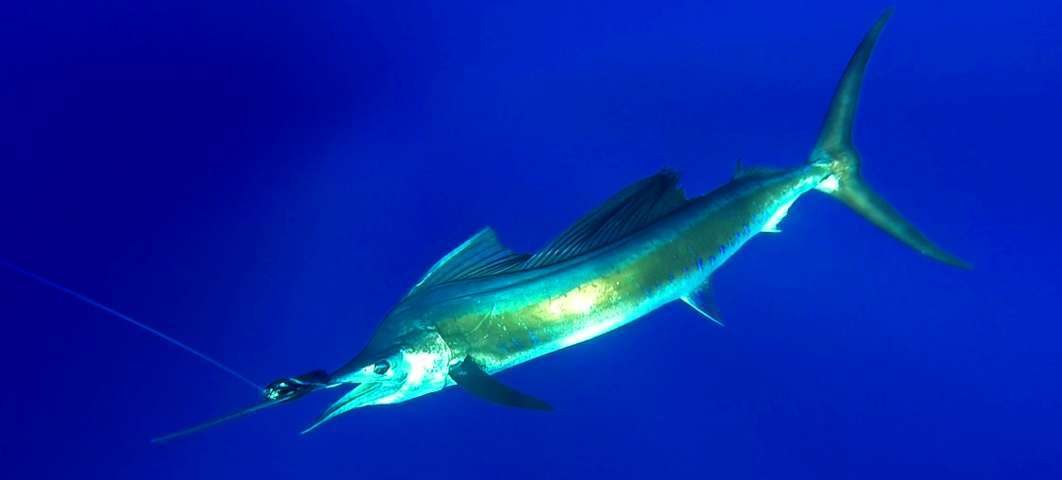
363 394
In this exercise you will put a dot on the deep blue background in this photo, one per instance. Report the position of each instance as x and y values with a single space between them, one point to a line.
264 182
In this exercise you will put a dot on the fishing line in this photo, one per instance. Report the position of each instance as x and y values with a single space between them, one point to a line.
122 316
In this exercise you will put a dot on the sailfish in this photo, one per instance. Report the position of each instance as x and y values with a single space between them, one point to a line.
483 308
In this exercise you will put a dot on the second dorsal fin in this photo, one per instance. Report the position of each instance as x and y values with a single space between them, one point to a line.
479 256
745 172
625 213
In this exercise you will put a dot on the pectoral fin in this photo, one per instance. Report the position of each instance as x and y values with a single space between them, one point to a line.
471 376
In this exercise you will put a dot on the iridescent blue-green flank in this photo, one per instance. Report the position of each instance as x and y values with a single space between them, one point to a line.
509 319
483 308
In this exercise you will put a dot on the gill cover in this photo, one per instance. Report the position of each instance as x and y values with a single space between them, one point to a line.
392 369
835 149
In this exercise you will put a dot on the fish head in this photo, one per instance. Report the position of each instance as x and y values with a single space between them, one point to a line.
412 365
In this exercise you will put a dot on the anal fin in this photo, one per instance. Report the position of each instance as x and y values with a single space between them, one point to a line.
703 302
772 223
471 376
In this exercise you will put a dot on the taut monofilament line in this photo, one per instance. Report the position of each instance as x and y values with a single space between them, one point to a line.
85 299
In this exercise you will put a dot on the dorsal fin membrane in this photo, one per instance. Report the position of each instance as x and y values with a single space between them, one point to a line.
625 213
479 256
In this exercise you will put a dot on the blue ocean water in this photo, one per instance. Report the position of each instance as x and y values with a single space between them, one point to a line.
264 180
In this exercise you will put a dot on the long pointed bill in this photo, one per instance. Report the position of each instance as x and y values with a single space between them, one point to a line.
281 391
217 421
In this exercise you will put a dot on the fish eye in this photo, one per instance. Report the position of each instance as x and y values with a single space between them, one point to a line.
381 367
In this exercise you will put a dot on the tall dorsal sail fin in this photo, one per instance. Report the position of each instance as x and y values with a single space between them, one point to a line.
625 213
479 256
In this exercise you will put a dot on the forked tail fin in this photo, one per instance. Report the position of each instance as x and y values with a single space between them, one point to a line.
834 148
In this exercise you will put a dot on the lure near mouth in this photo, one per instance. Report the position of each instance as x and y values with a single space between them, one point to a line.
290 388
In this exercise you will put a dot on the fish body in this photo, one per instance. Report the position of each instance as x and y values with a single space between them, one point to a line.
483 308
508 319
